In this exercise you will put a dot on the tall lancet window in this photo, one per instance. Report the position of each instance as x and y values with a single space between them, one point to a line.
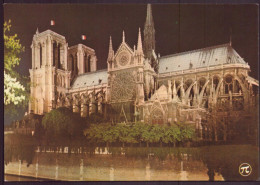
54 53
89 63
40 55
71 63
228 84
58 57
76 64
86 63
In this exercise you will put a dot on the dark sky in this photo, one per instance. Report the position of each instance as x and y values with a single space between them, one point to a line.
178 27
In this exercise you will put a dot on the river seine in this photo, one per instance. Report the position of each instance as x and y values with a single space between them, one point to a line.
136 164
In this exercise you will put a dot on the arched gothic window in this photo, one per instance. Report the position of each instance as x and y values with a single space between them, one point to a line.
157 116
228 84
215 81
201 83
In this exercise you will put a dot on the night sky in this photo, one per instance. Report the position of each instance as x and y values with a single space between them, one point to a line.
178 27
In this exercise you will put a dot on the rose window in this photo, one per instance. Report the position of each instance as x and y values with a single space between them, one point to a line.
123 87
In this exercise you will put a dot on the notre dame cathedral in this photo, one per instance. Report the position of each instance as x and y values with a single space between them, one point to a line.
139 84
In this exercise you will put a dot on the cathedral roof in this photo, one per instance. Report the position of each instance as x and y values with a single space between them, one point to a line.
90 79
205 57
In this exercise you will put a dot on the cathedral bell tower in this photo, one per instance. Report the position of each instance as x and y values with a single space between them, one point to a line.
49 59
149 34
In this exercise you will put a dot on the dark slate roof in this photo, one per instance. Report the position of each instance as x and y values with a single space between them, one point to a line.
90 79
210 56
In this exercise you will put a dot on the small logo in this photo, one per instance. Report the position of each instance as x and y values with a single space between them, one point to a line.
245 169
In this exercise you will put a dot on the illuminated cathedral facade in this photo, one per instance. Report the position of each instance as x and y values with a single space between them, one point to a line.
139 84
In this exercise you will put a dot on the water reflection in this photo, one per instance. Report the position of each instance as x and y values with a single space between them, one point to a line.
143 163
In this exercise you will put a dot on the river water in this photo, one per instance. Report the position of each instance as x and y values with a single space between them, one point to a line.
20 178
138 164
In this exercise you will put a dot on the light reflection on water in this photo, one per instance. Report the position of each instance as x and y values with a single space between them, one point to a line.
173 164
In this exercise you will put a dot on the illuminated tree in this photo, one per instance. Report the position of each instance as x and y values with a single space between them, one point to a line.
15 86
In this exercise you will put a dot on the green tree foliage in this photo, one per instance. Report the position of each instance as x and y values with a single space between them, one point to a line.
16 91
138 133
126 134
62 123
12 50
172 135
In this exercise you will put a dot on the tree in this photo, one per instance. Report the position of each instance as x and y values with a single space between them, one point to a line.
62 124
172 135
15 86
157 133
94 133
13 90
146 134
136 131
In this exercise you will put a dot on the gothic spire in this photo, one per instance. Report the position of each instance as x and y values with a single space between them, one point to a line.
149 16
110 50
139 44
149 33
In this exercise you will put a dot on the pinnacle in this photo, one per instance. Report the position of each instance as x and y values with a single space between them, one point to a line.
110 50
139 43
123 38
